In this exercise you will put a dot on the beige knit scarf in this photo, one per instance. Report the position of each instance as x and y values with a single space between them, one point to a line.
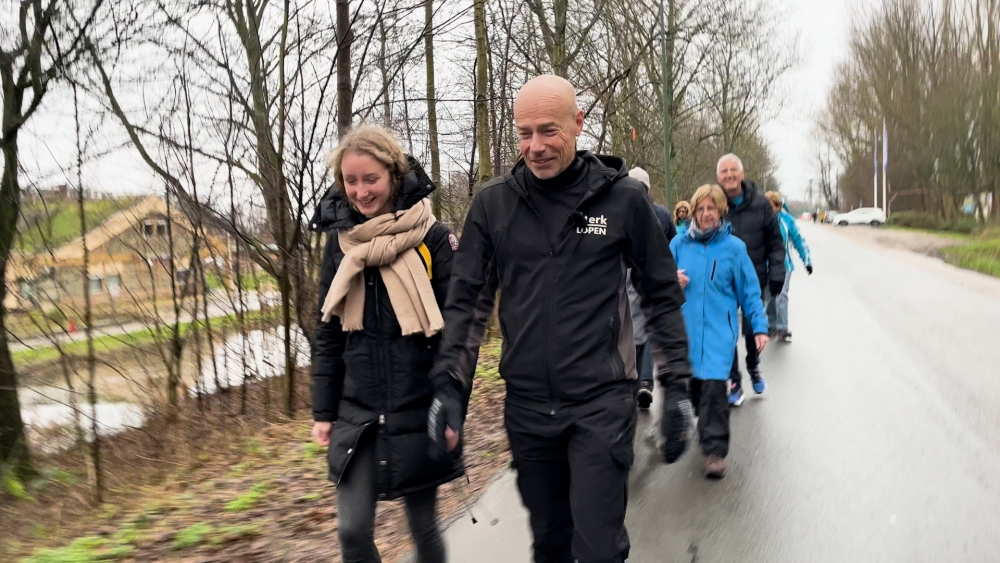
388 242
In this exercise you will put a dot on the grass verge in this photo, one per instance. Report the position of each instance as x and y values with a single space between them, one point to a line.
979 254
111 343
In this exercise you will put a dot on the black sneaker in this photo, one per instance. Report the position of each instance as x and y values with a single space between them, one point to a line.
786 338
644 396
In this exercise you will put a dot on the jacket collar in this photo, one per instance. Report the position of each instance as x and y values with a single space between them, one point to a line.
335 212
749 193
603 171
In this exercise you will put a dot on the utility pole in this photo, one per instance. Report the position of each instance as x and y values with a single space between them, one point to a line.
666 75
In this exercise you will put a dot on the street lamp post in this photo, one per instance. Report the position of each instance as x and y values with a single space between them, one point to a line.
665 75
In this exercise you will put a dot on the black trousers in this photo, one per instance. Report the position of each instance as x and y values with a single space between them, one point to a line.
572 472
753 358
356 500
710 399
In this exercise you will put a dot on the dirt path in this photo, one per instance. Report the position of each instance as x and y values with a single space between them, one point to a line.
914 241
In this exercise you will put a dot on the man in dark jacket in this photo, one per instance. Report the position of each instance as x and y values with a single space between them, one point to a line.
755 223
643 348
556 236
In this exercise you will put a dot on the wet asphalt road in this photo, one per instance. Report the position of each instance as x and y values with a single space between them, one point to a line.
878 438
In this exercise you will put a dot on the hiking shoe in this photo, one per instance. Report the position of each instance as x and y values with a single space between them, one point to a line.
715 467
644 396
786 338
736 396
758 382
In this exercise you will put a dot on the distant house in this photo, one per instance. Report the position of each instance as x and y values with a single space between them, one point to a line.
129 258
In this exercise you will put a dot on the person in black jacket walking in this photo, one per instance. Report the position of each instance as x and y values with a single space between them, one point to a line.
643 347
755 223
384 277
556 236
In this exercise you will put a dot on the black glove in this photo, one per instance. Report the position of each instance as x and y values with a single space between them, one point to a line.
445 412
809 268
776 286
675 424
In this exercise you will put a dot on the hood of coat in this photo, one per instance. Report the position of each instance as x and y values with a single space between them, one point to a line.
335 212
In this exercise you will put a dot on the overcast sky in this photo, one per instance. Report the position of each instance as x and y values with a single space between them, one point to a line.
823 26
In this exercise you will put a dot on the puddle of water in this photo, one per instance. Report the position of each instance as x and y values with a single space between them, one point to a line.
260 355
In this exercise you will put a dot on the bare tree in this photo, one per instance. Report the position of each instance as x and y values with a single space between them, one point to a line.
33 54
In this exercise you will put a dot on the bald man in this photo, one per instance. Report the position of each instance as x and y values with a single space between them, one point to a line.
556 237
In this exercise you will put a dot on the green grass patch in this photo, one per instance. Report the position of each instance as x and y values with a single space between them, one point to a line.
14 487
56 223
256 280
980 255
192 535
311 450
249 500
145 337
84 550
228 534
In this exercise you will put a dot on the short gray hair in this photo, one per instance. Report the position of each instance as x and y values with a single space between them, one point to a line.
728 157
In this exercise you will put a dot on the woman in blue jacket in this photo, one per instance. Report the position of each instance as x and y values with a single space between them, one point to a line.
718 278
777 308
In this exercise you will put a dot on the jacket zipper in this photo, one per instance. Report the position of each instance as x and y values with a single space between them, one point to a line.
714 264
550 283
383 392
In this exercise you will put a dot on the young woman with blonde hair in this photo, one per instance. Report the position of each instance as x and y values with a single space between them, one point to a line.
383 283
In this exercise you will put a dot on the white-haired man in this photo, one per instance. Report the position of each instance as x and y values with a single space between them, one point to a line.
755 223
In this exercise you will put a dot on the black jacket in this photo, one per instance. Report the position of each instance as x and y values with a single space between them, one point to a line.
376 376
563 308
666 221
755 223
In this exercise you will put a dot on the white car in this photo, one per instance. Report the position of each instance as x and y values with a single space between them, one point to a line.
861 216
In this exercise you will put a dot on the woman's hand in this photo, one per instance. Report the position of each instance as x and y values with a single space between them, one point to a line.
682 278
761 340
321 432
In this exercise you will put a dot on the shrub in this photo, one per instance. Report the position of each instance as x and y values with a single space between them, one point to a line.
916 220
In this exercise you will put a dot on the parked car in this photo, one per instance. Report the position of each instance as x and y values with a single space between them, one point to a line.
861 216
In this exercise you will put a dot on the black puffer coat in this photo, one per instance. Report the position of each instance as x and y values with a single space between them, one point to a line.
376 378
755 223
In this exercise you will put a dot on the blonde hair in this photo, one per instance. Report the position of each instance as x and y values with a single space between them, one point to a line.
774 197
684 205
713 191
375 142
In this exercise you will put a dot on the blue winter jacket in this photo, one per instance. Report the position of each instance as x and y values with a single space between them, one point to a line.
723 279
790 233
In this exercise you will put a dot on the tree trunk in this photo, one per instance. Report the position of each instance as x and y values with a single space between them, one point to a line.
432 123
88 315
345 93
482 86
13 443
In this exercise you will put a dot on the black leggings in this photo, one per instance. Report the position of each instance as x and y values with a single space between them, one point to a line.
356 500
